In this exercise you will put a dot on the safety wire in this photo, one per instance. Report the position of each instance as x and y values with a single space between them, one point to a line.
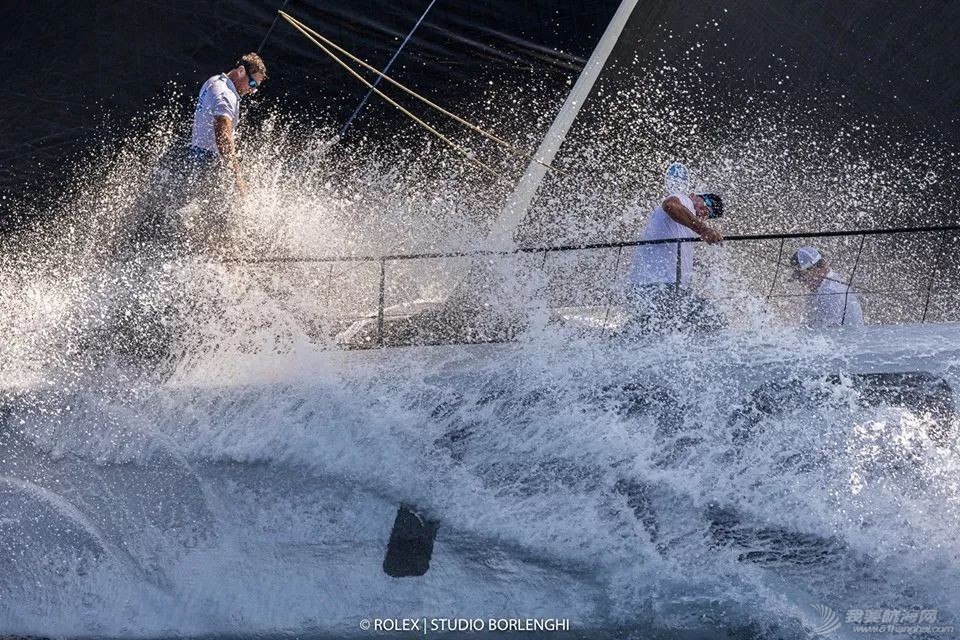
311 34
783 263
898 294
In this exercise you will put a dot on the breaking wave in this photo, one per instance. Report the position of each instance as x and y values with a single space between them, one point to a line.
184 451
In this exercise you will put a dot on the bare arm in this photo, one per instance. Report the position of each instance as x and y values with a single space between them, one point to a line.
223 132
681 215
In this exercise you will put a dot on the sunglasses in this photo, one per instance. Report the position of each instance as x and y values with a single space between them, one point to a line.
253 84
708 202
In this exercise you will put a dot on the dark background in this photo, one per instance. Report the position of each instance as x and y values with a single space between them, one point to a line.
73 71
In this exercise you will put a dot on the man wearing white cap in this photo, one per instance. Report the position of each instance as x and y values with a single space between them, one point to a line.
833 302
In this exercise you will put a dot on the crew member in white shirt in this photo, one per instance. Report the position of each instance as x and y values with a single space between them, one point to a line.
832 303
217 114
659 277
678 216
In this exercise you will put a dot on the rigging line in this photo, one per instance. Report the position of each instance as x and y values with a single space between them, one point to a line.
853 274
933 275
592 246
466 154
272 25
363 102
503 143
776 273
610 288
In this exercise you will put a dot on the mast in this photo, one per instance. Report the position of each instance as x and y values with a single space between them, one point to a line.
501 235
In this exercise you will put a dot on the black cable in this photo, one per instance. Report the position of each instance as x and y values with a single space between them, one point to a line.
589 246
270 30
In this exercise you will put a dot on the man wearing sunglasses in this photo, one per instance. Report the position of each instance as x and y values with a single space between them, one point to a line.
660 273
217 115
679 216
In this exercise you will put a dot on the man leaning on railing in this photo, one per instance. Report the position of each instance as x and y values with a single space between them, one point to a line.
659 277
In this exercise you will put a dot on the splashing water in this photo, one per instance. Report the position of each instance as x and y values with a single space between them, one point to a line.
185 453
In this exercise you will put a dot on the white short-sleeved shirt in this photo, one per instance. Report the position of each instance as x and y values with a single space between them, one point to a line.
218 97
657 263
834 304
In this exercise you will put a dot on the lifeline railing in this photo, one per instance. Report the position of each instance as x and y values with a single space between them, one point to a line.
944 231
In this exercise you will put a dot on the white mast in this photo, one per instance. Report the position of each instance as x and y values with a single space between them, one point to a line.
501 235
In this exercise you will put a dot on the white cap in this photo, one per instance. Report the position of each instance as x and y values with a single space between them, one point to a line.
805 257
676 179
